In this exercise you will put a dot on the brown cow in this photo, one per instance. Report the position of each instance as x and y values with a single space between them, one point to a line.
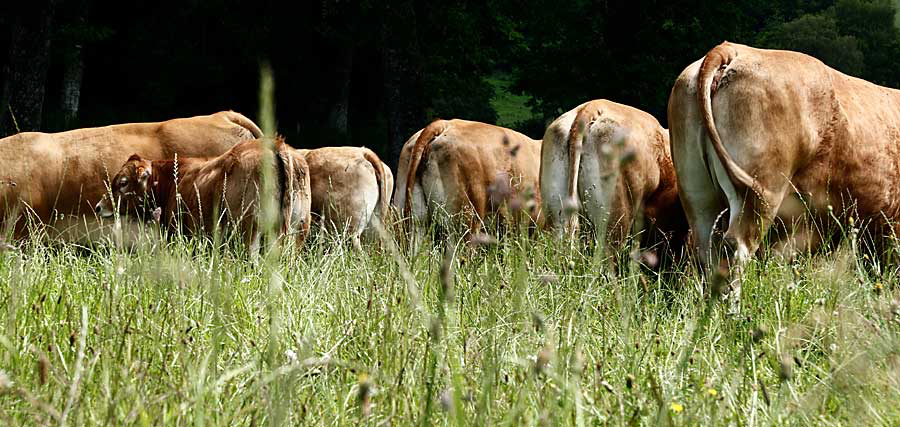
351 187
755 131
56 174
202 195
611 160
466 168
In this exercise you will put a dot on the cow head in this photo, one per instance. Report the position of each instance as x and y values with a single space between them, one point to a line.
128 189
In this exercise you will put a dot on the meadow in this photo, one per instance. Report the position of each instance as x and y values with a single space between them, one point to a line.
147 328
530 330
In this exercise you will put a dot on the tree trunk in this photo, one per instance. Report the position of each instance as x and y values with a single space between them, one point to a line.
26 74
338 116
73 70
74 17
401 66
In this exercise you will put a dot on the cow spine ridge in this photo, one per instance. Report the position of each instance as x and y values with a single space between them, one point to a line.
430 133
715 60
242 121
372 158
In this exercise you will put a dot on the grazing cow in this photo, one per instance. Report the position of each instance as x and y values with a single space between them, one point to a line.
199 195
351 187
612 160
756 131
56 174
468 168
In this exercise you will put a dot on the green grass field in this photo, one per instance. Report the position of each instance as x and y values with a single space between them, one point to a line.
527 332
530 331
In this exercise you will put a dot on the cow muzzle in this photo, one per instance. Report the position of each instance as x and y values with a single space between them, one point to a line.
102 210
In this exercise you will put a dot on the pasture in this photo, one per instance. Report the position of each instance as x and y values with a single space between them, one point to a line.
527 331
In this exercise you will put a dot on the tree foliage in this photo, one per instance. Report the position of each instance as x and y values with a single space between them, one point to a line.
819 36
347 72
858 37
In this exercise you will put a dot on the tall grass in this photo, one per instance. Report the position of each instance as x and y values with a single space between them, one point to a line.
522 332
530 330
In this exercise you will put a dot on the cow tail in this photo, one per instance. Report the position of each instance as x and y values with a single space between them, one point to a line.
382 185
285 167
305 193
707 79
242 121
583 119
432 131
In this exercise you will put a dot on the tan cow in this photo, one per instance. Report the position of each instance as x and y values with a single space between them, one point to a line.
54 174
351 188
611 160
755 131
464 167
202 195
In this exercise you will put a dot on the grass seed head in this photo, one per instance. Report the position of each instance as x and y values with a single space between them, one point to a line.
895 310
6 247
447 275
482 239
364 394
647 258
786 368
522 202
538 320
577 365
500 190
291 356
543 359
43 369
447 401
548 278
759 333
434 330
719 280
5 382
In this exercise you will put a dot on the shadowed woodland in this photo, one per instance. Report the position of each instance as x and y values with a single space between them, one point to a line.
372 73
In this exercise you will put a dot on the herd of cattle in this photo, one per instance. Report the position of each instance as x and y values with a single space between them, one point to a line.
756 138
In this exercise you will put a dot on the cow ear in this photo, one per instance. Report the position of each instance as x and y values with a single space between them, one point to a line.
134 157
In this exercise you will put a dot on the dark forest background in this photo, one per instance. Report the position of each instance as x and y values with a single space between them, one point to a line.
372 73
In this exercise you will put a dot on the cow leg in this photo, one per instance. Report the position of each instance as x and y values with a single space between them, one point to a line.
621 216
750 217
701 198
476 196
252 240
